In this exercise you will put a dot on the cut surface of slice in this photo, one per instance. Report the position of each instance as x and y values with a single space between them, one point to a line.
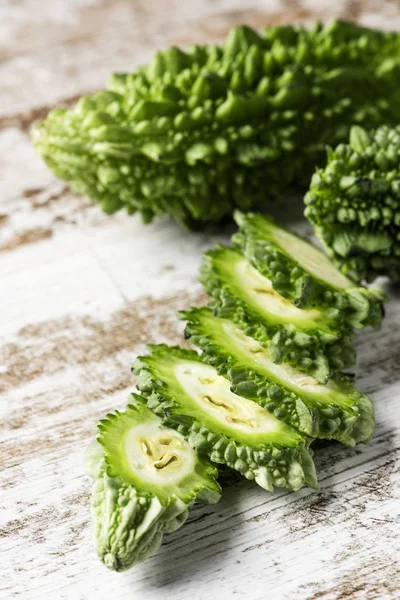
236 416
303 274
150 456
146 477
331 410
259 293
305 338
231 429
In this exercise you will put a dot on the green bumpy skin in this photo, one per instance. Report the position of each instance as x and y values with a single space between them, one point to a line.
199 132
307 339
146 478
302 273
354 204
190 396
332 411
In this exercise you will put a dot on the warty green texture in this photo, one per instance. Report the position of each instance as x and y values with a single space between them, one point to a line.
308 339
335 410
146 478
302 273
232 430
354 204
196 133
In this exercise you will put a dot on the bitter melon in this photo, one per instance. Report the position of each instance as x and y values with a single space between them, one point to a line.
233 430
198 132
146 478
306 338
302 273
335 410
354 204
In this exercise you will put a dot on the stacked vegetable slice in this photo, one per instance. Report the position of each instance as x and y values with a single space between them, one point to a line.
305 337
304 275
231 429
334 410
266 384
146 477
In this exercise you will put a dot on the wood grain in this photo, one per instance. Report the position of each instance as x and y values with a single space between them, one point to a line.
82 293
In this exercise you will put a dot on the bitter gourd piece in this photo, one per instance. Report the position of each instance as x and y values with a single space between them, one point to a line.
335 410
302 273
354 204
146 478
307 339
233 430
196 133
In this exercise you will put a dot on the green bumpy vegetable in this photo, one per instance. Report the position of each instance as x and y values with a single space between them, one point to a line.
233 430
199 132
307 339
331 411
354 204
146 478
302 273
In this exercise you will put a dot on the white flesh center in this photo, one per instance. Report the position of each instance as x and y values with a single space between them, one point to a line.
311 259
212 394
158 454
292 378
259 289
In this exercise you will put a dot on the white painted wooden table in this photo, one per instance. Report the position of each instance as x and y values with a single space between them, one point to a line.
81 294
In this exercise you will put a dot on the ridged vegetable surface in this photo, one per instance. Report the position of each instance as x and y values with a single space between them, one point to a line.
354 204
198 132
308 339
335 410
146 478
233 430
302 273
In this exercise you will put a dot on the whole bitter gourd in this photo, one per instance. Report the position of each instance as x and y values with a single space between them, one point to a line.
146 478
354 204
199 132
192 397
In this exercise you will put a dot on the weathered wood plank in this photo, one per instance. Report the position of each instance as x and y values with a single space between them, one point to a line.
81 294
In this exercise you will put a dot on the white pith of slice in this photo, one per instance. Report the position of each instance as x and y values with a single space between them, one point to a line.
259 289
297 380
212 394
159 455
312 259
